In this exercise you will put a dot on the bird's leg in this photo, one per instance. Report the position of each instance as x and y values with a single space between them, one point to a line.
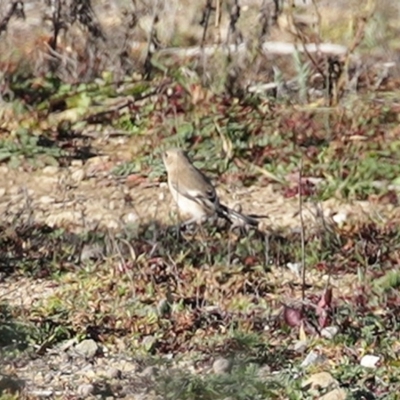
195 222
188 223
178 231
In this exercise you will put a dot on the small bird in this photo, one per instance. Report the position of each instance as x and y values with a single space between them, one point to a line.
194 193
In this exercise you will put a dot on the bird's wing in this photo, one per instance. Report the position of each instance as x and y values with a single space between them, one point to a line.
237 218
208 195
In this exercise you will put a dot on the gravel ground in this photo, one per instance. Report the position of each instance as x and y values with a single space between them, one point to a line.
86 196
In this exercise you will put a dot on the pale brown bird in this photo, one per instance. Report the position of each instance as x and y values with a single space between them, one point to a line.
194 193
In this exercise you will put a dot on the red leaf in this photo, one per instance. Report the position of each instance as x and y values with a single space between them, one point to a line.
293 316
324 307
135 180
325 301
323 320
250 261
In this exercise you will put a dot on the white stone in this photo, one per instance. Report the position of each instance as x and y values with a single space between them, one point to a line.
320 380
78 175
369 361
313 358
62 217
46 200
300 346
130 218
329 332
85 390
15 190
150 371
50 170
294 267
340 218
87 348
335 394
222 366
76 163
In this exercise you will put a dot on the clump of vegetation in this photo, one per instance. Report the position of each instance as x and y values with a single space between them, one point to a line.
314 120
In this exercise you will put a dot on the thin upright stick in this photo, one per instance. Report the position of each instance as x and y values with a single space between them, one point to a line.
303 261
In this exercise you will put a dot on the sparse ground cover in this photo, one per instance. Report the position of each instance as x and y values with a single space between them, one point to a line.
100 294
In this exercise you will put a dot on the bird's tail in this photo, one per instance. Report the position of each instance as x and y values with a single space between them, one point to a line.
237 218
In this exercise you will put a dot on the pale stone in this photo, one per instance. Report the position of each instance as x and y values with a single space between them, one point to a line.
63 217
112 224
130 218
369 361
313 358
329 332
113 373
68 344
50 170
85 390
15 190
335 394
320 380
340 218
222 365
76 163
300 346
46 200
3 170
127 366
150 371
87 348
78 175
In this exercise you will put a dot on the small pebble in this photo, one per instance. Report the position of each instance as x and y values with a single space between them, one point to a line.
78 175
329 332
264 371
76 163
127 366
369 361
222 366
85 390
130 218
42 393
237 207
15 190
335 394
294 267
163 307
46 200
340 218
68 344
92 252
313 358
300 346
320 380
114 373
148 342
50 170
87 348
150 371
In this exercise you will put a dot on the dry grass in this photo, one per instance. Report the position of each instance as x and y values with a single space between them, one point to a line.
121 87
